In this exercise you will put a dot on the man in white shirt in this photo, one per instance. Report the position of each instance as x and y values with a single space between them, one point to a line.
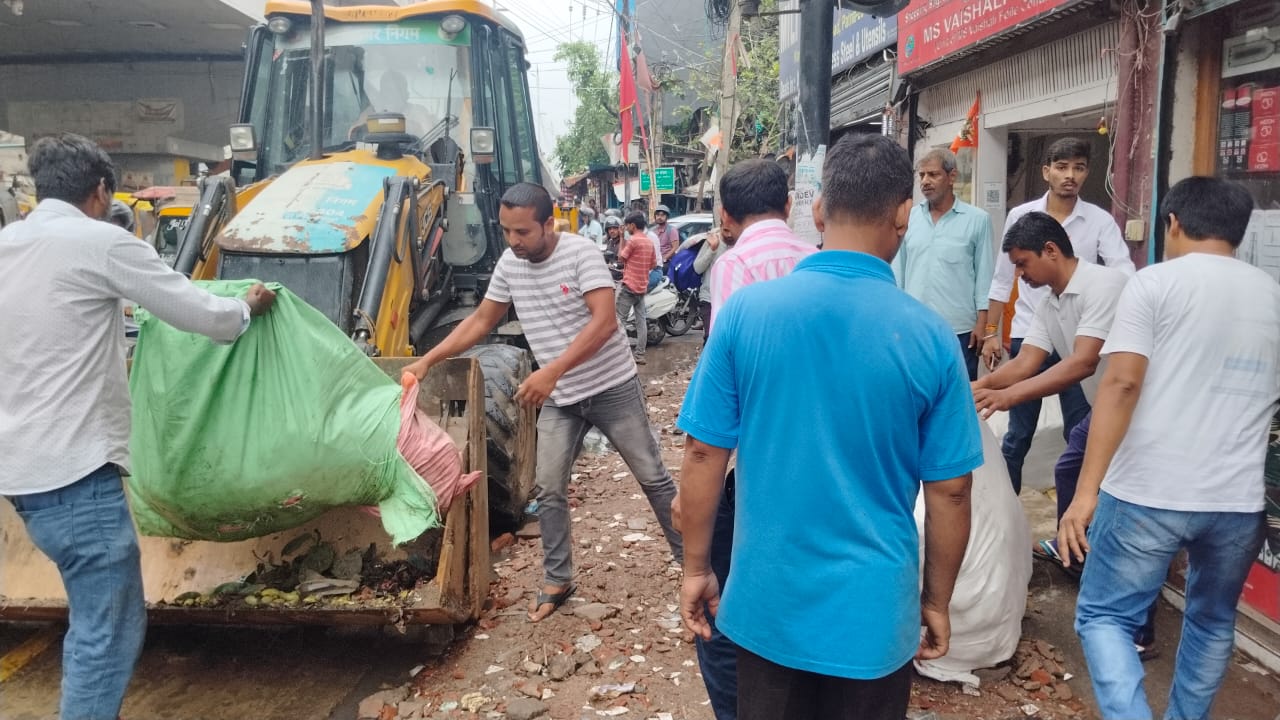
591 228
1176 452
64 403
1095 238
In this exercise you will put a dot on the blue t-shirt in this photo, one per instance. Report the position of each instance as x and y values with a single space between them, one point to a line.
841 393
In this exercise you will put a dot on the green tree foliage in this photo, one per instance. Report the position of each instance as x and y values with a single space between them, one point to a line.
758 129
597 90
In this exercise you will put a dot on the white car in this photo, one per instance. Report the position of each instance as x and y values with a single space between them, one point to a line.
692 224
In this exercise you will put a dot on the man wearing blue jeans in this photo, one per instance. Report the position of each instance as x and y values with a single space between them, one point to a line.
563 292
1095 238
64 402
1176 452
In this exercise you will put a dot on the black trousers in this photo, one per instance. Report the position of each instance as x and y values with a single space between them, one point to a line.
767 691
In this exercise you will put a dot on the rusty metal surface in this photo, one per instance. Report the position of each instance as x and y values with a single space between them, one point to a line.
322 207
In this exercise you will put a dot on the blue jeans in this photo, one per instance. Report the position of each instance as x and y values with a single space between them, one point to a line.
620 414
1132 546
1023 419
86 530
718 657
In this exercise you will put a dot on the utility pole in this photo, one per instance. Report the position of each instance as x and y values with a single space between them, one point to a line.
729 94
816 18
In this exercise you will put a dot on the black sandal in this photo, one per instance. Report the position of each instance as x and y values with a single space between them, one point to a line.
555 600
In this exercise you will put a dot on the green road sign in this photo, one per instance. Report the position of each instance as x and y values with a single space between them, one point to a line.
665 177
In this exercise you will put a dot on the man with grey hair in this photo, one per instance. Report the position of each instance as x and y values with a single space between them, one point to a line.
947 256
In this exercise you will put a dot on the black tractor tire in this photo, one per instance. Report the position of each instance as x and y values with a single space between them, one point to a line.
510 485
655 332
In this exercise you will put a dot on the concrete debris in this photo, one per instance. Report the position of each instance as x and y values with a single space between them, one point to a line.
525 709
530 531
610 692
636 538
371 707
561 667
587 643
599 612
413 709
530 667
637 524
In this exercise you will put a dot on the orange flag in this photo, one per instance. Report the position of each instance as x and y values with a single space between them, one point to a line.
968 136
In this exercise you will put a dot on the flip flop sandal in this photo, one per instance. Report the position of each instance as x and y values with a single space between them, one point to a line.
1047 550
555 600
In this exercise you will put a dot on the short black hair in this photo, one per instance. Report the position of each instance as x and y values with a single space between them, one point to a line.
636 218
1033 230
1068 148
68 167
528 195
1209 207
754 187
865 177
121 214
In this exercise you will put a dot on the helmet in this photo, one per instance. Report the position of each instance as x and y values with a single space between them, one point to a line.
612 221
663 209
586 211
613 212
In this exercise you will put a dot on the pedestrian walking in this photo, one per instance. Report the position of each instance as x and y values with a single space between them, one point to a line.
1096 238
637 261
64 402
753 224
947 259
835 430
563 293
1176 452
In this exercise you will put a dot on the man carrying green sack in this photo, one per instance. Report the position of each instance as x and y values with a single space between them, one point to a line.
64 403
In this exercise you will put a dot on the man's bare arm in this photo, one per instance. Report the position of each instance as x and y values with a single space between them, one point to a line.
1113 408
701 483
946 536
1080 364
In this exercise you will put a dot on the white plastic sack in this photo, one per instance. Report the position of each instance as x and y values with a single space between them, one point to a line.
991 590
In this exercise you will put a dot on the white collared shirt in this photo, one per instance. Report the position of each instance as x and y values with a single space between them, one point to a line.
1086 308
1095 238
64 398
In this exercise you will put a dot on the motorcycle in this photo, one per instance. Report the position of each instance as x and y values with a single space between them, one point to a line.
684 315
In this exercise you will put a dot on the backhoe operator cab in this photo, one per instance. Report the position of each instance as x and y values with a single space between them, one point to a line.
377 204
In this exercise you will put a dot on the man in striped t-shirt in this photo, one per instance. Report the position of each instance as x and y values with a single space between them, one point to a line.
563 294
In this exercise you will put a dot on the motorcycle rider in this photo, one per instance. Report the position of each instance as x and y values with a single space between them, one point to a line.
612 235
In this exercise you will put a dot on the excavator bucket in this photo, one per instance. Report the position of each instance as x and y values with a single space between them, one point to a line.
447 569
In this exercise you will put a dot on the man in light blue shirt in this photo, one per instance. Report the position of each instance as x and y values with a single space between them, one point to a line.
947 257
837 415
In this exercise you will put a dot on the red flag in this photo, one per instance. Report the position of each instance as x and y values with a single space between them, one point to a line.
968 135
626 98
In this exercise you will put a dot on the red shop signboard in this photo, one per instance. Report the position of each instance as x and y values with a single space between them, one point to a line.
930 30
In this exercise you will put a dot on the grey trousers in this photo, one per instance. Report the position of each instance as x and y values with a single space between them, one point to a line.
620 414
625 302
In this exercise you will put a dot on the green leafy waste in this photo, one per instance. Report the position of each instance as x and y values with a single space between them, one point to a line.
231 442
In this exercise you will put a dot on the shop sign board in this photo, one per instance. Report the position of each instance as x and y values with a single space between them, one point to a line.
665 177
930 30
855 37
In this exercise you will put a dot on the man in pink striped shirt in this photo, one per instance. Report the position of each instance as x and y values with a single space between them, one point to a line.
755 206
753 217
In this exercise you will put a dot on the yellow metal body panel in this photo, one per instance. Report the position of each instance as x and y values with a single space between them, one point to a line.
388 13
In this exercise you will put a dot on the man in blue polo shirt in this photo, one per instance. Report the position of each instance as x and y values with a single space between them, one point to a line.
947 257
836 419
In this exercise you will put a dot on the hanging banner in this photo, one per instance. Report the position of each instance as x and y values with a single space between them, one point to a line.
930 30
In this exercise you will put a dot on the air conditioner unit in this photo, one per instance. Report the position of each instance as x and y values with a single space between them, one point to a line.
1251 52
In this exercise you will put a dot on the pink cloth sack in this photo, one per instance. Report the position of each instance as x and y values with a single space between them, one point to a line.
430 450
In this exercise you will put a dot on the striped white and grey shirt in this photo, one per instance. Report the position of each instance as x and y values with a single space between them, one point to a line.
548 297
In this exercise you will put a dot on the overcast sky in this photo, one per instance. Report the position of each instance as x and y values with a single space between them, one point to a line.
546 24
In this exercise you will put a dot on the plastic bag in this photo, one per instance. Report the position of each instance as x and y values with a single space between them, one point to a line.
990 596
238 441
430 450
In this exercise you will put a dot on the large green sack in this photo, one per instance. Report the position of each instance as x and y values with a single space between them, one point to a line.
243 440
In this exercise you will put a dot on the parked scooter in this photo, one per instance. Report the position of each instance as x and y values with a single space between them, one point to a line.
684 315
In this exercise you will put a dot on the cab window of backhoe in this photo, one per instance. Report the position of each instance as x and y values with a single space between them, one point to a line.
524 137
508 139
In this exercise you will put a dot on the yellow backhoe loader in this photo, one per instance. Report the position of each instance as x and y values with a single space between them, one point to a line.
373 145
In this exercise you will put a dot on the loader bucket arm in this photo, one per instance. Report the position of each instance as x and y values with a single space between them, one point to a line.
216 206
